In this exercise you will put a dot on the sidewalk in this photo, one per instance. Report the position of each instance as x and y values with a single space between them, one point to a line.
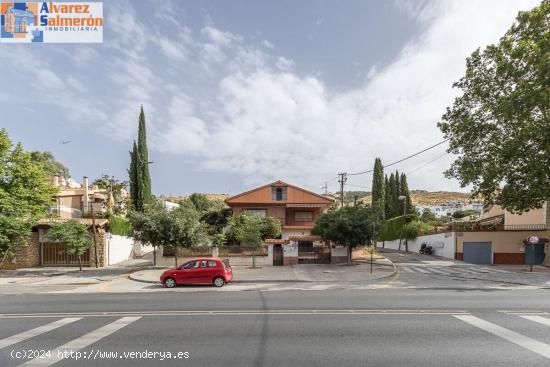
359 271
71 275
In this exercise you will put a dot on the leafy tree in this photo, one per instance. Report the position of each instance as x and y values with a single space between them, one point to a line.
74 235
175 228
140 178
270 228
201 202
427 216
465 213
217 220
50 165
412 230
378 189
219 239
348 226
25 195
500 124
116 188
248 230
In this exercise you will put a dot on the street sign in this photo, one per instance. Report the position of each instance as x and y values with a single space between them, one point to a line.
533 240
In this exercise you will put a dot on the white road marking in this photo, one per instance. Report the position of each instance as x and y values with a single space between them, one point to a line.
539 319
14 339
495 270
82 342
422 270
523 341
439 271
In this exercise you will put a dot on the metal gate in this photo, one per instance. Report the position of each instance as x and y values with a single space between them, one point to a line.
478 252
537 257
55 254
305 252
277 255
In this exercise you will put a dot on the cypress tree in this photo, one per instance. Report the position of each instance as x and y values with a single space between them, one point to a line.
397 204
404 186
378 190
132 172
144 177
392 196
387 198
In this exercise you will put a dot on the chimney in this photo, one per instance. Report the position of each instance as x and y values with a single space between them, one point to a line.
85 195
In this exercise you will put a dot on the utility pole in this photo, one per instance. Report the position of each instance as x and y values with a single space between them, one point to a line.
342 178
325 187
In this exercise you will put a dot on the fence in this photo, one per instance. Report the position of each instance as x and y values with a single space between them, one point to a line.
225 251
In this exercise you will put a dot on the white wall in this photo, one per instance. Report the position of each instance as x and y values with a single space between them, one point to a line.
119 248
443 244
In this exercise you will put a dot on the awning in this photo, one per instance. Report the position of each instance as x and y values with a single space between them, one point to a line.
276 241
306 205
305 238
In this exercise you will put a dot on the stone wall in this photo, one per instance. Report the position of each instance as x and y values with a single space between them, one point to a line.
26 256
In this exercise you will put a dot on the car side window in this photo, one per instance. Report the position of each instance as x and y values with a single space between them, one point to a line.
212 264
204 264
191 265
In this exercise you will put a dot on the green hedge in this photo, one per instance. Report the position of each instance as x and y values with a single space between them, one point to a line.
391 229
120 226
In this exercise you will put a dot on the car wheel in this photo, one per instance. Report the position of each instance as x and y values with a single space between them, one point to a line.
169 283
218 282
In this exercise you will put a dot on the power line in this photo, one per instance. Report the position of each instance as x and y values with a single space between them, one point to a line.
427 163
400 160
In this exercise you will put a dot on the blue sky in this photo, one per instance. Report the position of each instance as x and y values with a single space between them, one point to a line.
242 93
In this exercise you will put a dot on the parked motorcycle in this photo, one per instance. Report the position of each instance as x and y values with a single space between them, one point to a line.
426 250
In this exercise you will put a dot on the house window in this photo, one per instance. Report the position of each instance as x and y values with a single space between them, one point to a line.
278 193
303 216
258 213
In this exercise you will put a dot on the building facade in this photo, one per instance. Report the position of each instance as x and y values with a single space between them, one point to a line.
297 209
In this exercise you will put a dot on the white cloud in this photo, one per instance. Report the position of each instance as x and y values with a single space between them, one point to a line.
243 109
272 123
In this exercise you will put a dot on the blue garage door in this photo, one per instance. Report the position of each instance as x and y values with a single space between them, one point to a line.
478 252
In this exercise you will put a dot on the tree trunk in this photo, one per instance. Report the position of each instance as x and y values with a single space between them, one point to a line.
253 257
175 257
80 262
400 244
349 255
154 255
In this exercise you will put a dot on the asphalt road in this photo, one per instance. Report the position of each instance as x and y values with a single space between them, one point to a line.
384 327
455 316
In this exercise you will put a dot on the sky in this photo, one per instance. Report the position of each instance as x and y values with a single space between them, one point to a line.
238 94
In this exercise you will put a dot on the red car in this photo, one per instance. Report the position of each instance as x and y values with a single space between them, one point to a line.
199 271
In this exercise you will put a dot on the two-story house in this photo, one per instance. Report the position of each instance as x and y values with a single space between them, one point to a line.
297 209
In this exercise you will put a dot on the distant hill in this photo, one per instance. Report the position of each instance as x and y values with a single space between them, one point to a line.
210 196
419 197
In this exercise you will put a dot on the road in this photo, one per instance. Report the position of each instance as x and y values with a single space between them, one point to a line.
412 319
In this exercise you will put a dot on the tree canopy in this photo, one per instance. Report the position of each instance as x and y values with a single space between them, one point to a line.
159 226
74 235
349 225
25 195
51 166
500 124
